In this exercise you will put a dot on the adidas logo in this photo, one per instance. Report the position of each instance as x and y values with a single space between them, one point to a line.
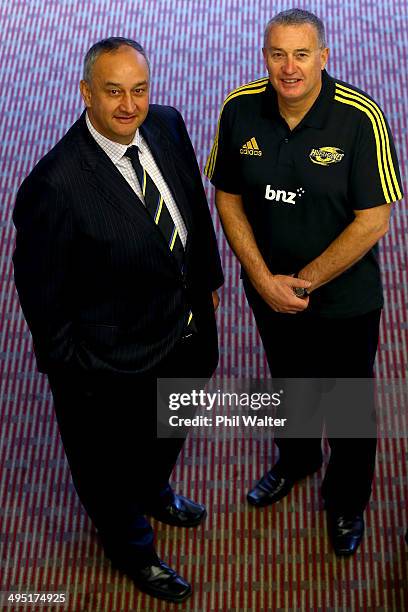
251 148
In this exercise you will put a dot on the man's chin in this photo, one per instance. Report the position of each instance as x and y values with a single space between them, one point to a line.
291 92
125 135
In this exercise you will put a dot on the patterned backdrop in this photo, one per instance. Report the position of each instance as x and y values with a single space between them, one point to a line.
199 51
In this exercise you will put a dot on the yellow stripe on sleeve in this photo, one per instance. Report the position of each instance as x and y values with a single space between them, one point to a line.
389 181
254 87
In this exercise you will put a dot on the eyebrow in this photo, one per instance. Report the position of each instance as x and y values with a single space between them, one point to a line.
294 51
111 84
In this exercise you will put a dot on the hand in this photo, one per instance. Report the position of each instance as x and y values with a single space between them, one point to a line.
277 292
216 300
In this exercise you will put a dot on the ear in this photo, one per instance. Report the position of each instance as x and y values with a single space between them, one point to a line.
85 93
324 56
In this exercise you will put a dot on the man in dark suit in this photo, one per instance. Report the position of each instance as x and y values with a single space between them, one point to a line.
117 267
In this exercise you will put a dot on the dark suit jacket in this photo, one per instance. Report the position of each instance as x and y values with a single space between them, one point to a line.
97 283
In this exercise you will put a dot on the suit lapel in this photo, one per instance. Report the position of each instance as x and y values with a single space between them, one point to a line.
107 180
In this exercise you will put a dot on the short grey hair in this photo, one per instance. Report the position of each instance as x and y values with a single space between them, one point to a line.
297 17
108 45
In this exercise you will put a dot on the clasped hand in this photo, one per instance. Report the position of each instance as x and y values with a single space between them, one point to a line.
278 293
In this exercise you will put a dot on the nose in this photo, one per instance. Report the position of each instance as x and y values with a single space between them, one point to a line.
127 104
289 65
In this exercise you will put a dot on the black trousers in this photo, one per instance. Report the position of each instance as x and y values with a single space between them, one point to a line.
305 345
119 467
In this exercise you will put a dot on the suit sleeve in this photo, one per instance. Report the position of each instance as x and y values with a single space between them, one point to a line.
375 177
205 235
42 270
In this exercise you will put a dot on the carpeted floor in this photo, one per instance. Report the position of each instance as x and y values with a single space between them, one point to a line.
243 559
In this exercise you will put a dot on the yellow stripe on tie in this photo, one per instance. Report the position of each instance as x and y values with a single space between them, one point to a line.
190 316
389 181
173 238
144 183
157 217
258 86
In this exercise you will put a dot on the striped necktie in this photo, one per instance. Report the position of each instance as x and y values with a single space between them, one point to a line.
156 207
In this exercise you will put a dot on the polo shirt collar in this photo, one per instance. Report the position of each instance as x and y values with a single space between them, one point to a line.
317 114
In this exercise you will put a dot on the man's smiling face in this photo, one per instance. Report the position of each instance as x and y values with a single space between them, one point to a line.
117 96
295 61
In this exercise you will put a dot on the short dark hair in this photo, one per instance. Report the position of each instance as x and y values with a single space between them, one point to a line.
297 17
107 45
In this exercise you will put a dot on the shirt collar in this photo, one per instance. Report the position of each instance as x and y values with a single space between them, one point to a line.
114 150
317 114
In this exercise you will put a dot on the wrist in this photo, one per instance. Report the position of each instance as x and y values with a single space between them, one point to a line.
261 281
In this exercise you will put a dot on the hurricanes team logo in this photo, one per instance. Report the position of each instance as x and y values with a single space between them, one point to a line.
251 148
326 156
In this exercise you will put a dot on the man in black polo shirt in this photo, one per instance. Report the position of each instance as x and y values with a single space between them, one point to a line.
305 171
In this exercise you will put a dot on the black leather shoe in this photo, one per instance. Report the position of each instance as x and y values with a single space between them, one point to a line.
270 489
182 512
274 485
162 582
345 531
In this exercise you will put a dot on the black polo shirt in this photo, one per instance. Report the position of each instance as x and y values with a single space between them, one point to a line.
300 187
